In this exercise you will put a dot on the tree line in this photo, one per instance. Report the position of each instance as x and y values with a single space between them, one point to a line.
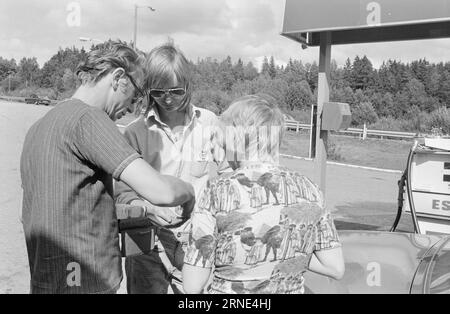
403 96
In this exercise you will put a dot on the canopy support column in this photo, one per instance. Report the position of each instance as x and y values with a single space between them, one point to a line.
323 95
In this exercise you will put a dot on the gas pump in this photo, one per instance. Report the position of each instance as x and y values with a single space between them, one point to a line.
424 189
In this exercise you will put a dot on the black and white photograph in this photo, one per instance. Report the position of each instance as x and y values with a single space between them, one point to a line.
254 149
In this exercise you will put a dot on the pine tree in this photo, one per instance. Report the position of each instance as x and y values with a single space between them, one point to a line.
226 76
362 73
250 72
312 75
265 69
272 68
348 73
238 70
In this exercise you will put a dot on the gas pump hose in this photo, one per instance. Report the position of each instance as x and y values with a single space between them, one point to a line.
406 177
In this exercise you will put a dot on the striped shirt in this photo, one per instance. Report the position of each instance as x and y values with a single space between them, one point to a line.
67 164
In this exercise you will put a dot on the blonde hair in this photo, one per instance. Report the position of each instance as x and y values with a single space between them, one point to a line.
254 112
164 63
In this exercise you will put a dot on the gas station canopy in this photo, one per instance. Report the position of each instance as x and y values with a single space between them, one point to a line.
365 21
326 23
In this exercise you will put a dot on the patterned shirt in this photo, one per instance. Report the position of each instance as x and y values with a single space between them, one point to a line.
259 226
68 161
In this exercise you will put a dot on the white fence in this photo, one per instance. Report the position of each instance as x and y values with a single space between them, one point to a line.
363 133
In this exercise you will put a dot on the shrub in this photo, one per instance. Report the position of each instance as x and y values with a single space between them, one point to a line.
439 119
363 113
298 96
303 116
274 87
49 93
215 100
25 92
390 124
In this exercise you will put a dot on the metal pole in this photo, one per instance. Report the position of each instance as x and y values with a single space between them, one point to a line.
135 26
323 95
312 132
9 83
136 7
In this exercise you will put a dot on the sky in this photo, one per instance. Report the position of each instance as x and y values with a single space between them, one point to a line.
246 29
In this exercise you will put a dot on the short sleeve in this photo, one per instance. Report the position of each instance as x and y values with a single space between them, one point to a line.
326 233
98 140
122 192
203 237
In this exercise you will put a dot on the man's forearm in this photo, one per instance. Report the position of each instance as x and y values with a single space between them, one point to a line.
154 187
182 191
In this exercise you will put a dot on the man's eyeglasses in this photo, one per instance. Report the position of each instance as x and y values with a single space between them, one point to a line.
158 93
139 92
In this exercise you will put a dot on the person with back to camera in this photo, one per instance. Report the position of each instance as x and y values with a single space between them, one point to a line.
68 162
271 253
176 138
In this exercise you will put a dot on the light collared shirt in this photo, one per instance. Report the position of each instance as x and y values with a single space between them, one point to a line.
190 152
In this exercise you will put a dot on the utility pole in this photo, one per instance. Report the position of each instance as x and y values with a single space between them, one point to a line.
9 81
136 7
135 26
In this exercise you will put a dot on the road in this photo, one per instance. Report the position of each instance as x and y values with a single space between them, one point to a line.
360 199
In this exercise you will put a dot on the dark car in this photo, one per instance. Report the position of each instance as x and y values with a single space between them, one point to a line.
36 100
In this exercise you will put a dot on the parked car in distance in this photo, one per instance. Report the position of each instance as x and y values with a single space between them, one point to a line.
36 100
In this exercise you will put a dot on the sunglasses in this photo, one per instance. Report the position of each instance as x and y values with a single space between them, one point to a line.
158 93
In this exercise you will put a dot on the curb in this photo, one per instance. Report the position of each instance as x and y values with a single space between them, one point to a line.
345 165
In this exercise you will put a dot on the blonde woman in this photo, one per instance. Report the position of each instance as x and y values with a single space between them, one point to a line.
275 227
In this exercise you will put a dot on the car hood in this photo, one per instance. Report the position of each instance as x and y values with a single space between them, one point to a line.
377 262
